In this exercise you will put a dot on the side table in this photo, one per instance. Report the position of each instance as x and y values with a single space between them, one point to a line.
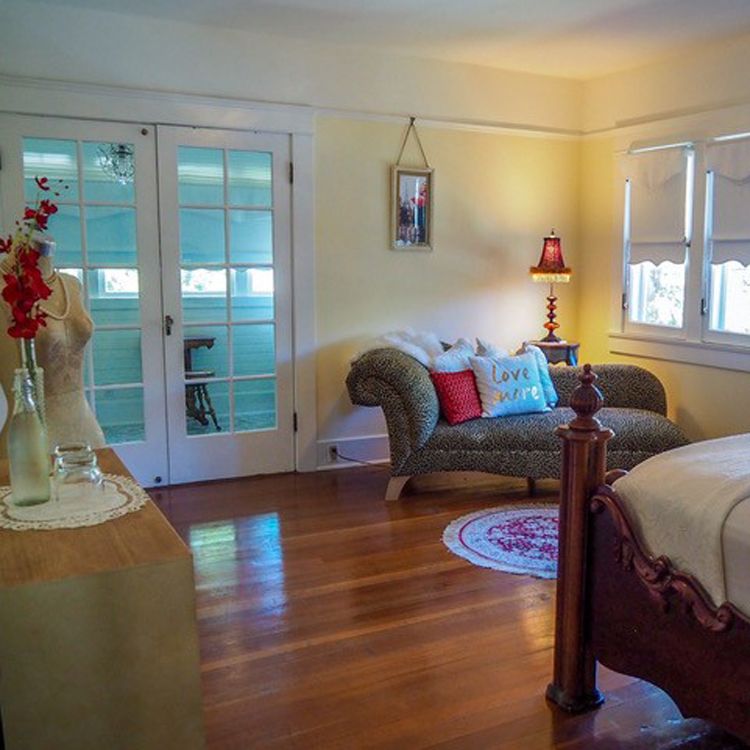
559 351
98 636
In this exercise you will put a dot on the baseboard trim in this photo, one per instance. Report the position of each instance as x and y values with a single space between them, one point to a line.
367 448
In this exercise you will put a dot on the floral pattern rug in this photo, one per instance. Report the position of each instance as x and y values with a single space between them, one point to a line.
520 539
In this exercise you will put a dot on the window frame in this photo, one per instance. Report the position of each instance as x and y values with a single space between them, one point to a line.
652 329
711 335
695 342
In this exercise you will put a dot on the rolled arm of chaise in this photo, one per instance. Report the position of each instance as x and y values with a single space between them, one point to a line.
401 386
624 386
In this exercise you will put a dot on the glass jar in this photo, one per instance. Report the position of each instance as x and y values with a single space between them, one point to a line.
77 472
27 445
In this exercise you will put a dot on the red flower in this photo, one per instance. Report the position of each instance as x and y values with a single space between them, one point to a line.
40 215
47 207
24 330
24 283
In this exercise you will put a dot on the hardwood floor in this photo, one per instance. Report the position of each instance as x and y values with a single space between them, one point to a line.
330 620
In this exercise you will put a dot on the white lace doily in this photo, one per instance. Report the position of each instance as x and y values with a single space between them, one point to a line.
118 496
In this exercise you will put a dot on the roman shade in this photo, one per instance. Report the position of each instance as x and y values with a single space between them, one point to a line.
657 189
729 162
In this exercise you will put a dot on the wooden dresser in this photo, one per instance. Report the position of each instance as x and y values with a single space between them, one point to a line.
98 639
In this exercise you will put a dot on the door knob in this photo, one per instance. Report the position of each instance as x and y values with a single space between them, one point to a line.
168 323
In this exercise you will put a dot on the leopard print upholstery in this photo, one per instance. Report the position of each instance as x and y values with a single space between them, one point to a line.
525 445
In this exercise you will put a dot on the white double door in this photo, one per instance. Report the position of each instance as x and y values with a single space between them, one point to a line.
181 240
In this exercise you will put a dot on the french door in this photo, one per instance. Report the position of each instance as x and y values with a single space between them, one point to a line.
107 236
225 238
184 263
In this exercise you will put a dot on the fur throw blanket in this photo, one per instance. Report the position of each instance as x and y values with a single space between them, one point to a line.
421 345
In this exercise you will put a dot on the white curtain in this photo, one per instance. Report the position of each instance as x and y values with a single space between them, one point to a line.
657 204
730 237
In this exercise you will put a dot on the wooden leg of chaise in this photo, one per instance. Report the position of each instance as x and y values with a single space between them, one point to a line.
395 486
531 486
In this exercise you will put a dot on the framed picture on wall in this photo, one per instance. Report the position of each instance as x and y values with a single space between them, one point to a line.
411 208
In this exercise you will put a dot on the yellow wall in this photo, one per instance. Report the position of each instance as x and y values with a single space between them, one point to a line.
705 401
496 196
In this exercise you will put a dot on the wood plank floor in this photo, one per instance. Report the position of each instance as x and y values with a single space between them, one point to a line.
330 620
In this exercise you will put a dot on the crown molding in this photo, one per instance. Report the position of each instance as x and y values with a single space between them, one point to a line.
470 126
40 96
59 98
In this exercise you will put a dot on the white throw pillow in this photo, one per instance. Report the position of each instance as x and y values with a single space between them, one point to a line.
488 349
456 359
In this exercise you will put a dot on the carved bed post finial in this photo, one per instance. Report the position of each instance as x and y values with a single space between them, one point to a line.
586 401
584 460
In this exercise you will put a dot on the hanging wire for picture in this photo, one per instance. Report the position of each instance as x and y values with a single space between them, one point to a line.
412 128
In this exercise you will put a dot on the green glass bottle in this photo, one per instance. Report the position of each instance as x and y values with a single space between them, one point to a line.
27 445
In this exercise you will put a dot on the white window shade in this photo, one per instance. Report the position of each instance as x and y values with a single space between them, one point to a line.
730 159
724 251
657 187
730 225
657 252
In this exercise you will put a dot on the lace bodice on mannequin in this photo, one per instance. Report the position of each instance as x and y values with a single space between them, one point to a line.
60 349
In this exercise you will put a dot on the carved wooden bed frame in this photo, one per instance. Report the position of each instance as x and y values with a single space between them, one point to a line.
633 613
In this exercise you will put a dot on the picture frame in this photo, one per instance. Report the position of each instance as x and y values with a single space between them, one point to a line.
412 208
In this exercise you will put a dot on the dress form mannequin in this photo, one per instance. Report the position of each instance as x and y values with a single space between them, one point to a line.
60 349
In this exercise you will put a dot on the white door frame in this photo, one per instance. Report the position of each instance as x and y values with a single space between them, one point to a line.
82 100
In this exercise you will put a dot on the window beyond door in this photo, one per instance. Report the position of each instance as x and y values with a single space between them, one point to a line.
96 234
227 285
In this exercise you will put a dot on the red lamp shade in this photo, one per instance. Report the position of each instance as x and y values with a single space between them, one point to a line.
551 268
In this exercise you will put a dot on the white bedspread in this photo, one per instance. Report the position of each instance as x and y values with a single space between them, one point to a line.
680 501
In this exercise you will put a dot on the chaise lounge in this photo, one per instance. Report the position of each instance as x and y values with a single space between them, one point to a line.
421 442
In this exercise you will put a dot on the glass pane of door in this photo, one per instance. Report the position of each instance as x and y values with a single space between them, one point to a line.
96 227
227 289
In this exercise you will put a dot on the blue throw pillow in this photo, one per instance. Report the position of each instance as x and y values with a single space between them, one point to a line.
550 394
509 385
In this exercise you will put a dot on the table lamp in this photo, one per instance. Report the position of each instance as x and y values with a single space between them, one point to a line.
551 270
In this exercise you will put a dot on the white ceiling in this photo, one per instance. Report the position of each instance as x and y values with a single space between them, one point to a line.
571 38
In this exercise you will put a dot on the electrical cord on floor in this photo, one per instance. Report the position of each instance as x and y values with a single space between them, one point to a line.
386 466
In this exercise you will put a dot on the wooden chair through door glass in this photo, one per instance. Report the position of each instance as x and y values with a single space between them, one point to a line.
198 404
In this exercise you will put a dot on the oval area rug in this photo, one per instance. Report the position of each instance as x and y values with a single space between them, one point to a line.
520 539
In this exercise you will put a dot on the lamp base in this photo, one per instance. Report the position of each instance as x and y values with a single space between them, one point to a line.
551 325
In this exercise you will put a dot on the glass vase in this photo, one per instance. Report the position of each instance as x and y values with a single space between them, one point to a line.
27 435
36 376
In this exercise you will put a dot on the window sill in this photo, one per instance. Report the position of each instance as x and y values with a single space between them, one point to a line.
706 354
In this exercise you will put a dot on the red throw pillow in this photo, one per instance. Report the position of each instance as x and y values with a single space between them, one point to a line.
458 395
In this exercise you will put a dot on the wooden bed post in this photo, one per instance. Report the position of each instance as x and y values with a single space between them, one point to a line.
584 459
